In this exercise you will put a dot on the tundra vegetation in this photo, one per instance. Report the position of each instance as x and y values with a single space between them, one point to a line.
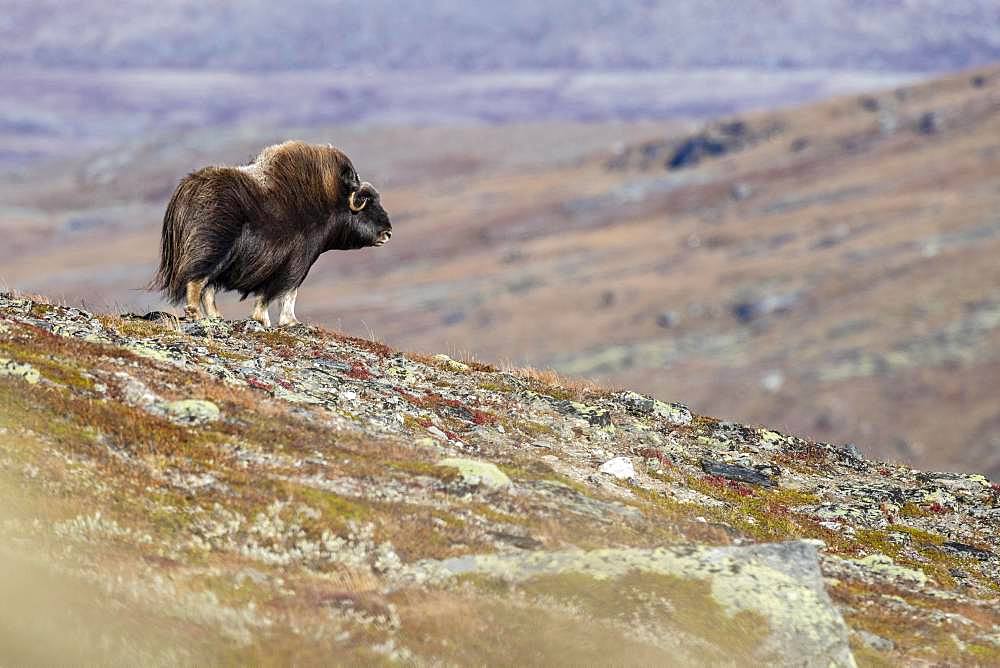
183 491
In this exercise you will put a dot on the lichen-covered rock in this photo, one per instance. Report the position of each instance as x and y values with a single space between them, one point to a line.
780 583
737 473
643 405
450 364
192 411
208 327
478 473
876 642
883 567
594 415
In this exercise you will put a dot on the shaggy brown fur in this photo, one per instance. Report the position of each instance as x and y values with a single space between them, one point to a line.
257 229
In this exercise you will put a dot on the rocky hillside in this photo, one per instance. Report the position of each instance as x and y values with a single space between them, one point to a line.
180 491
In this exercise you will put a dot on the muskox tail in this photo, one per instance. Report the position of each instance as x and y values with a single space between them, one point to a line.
167 277
201 226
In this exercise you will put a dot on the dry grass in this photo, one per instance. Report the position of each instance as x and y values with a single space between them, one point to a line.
552 378
38 299
138 328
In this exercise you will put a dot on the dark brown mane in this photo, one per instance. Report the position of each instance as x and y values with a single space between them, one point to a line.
295 174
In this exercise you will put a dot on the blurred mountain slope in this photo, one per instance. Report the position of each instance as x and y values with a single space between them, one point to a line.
478 36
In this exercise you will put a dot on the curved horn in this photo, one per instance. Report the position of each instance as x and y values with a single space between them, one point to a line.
355 207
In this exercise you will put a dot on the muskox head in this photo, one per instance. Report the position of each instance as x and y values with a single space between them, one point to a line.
364 222
366 205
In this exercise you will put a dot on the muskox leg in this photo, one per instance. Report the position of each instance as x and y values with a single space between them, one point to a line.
193 308
260 313
287 316
208 302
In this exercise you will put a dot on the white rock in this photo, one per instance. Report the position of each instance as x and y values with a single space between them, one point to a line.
619 467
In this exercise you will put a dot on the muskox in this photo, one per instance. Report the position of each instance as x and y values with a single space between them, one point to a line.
257 229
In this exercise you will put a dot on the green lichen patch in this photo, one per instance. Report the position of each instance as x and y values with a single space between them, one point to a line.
923 537
26 361
761 513
528 428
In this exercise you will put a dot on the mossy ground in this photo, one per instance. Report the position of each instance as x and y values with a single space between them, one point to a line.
271 522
